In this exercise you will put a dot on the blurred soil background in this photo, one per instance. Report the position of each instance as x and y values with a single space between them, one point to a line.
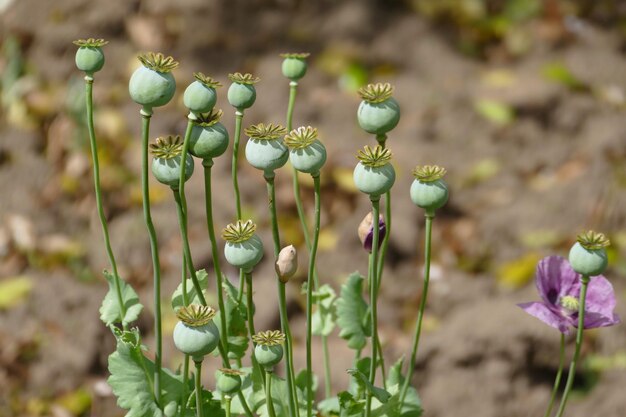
522 100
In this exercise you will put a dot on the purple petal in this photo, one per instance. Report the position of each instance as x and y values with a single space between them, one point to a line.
547 315
382 230
556 278
600 304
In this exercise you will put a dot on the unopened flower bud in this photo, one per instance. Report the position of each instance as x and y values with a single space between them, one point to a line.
366 231
287 263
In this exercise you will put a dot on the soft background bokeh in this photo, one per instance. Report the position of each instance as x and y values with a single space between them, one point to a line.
522 100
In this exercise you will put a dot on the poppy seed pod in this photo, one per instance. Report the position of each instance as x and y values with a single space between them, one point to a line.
241 93
429 191
294 65
287 263
89 56
588 255
379 112
374 174
152 84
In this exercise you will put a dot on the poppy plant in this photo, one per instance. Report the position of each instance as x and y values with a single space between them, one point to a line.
559 287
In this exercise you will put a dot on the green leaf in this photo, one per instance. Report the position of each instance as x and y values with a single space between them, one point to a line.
352 313
192 295
132 378
301 381
412 405
236 320
324 317
559 73
329 406
110 309
349 405
380 394
211 407
496 112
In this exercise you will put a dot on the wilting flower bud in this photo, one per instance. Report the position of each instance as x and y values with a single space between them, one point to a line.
366 231
287 263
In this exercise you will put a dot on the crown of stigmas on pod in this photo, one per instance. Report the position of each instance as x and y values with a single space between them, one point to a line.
301 137
231 371
206 80
90 43
239 232
246 78
167 147
209 119
429 173
373 158
196 315
296 55
266 132
157 62
376 93
269 338
593 240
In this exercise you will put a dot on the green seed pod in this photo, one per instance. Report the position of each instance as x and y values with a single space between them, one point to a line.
306 153
374 174
268 350
265 150
200 96
152 84
588 255
166 162
229 381
241 93
378 113
89 56
209 138
243 249
428 190
195 334
294 65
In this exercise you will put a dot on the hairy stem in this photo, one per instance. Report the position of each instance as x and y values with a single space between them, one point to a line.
579 341
559 373
146 114
422 306
96 185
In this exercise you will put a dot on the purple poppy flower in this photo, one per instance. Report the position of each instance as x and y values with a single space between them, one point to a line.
559 287
366 231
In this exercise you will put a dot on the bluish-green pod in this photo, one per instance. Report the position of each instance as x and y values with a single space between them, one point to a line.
378 118
151 88
294 68
268 356
89 59
589 262
244 255
241 96
430 195
199 98
196 341
374 181
266 155
228 384
309 159
208 142
167 170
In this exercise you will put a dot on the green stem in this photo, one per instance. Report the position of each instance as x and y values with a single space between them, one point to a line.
182 222
309 295
238 120
282 299
268 394
382 140
198 379
327 374
208 196
373 301
251 329
183 406
146 114
579 341
422 306
557 380
227 400
98 192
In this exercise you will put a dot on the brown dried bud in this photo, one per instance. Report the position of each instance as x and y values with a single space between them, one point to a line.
366 231
287 263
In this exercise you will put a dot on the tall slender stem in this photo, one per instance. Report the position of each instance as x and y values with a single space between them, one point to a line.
268 394
309 295
234 172
579 341
183 405
182 223
373 301
557 380
250 312
282 298
227 400
146 114
422 306
382 140
208 204
198 380
98 192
